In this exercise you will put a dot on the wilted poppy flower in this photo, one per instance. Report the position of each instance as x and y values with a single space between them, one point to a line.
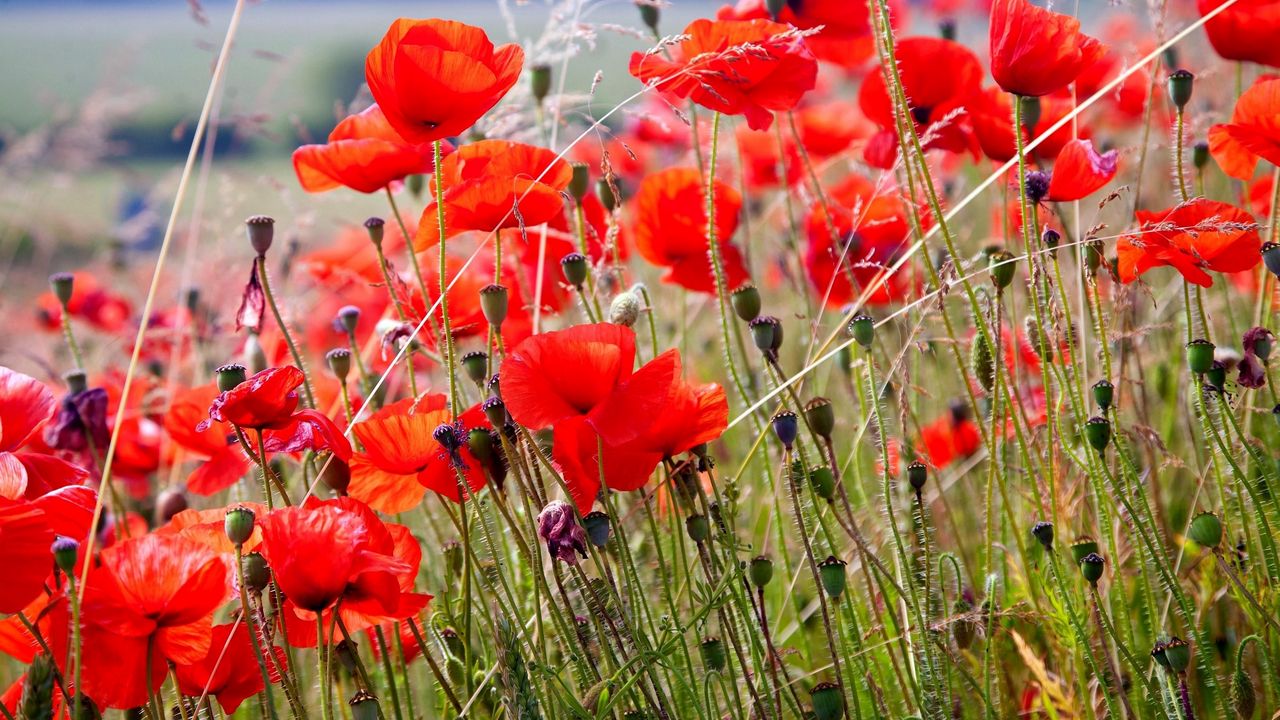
586 371
1256 343
1035 51
940 101
871 224
1193 237
670 228
1246 31
736 67
402 458
559 528
224 462
268 402
1080 171
229 672
434 78
1254 130
152 598
80 423
845 37
494 184
25 403
363 153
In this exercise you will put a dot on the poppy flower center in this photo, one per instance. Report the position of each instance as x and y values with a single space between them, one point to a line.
921 114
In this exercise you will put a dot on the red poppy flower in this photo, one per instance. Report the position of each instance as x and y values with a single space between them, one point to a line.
1080 171
1246 31
26 538
580 454
829 128
90 302
693 414
268 402
495 184
763 166
1036 51
736 67
464 283
1253 133
229 672
402 459
351 257
152 598
224 462
50 615
585 371
434 78
845 37
992 115
363 153
1193 237
671 228
940 102
208 527
951 437
25 404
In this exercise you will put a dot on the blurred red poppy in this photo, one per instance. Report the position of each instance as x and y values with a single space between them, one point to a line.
90 302
229 672
670 228
1080 171
1254 131
268 402
1246 31
992 115
434 78
871 223
845 37
1035 51
951 437
363 153
1193 237
735 67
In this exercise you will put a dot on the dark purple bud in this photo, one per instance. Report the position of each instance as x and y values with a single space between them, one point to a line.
1037 185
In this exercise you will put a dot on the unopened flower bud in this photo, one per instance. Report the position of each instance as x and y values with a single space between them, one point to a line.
261 231
1206 530
540 81
625 309
713 654
823 482
336 475
760 571
257 575
580 181
452 552
229 376
698 527
1030 112
169 502
982 363
604 190
1001 264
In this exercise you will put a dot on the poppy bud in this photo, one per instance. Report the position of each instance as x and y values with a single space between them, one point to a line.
336 474
650 13
828 701
238 525
1037 186
347 318
574 266
77 381
1050 238
476 364
364 706
746 302
493 303
605 192
63 285
832 574
823 482
261 231
625 309
253 356
1091 566
775 8
821 416
760 571
766 331
1043 532
257 575
1098 432
1103 393
229 376
65 552
559 529
339 360
1002 265
540 83
917 474
169 502
1200 356
862 328
947 29
495 411
452 641
1084 545
698 527
1200 154
786 426
375 227
1180 84
1177 654
1243 695
1206 530
580 181
713 655
1216 378
480 442
597 524
981 362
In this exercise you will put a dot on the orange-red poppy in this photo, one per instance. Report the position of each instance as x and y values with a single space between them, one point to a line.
735 67
434 78
224 461
871 224
845 35
268 402
363 153
951 437
1035 51
1080 171
992 115
1193 237
1246 31
670 228
230 671
1253 133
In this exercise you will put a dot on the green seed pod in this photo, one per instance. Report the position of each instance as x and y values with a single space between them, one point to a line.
364 706
698 527
1243 695
1083 546
760 571
476 365
493 303
1200 356
580 182
713 654
604 190
1098 432
229 376
828 701
376 228
947 29
257 574
238 525
575 268
821 416
1200 154
77 381
832 573
1001 265
495 411
1271 257
1216 378
63 285
650 14
1206 530
1180 85
917 475
981 362
339 361
1091 566
1103 394
416 184
775 8
598 529
746 302
261 231
1030 112
786 426
481 444
862 328
452 641
1043 532
36 702
766 332
1177 653
823 482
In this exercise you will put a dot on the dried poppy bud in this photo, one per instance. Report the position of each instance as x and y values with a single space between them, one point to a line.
63 285
339 361
476 365
1001 264
1043 532
828 701
1180 85
574 266
1200 356
832 574
261 231
1098 432
746 302
598 529
760 571
1103 394
1091 566
862 328
713 655
580 181
559 529
238 525
493 303
823 482
1082 546
65 552
229 376
821 416
540 84
786 426
1206 530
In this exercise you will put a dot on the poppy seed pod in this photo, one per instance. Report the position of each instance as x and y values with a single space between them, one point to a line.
574 266
766 332
821 416
786 426
862 328
77 381
416 184
604 191
832 574
261 231
1091 566
713 655
1206 530
579 181
495 411
339 360
1200 154
828 701
823 482
452 641
476 365
257 574
1037 186
493 303
1216 378
1177 654
480 442
598 529
1002 265
364 706
698 527
1043 531
1103 394
947 29
63 285
65 552
1200 356
1180 85
1083 545
238 525
1098 432
746 302
347 318
760 571
540 84
229 376
917 475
